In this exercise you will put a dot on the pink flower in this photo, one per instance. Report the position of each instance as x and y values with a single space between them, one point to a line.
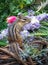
11 19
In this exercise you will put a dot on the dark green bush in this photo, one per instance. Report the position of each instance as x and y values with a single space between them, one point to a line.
13 7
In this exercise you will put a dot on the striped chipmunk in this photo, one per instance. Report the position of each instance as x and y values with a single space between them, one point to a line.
15 28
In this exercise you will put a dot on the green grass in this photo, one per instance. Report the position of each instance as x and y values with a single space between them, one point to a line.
2 44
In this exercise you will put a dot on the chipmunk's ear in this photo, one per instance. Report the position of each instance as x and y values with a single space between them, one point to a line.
20 15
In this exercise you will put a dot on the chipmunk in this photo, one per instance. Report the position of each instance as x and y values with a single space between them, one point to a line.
15 28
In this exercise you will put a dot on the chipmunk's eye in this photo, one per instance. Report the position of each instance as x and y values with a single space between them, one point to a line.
24 19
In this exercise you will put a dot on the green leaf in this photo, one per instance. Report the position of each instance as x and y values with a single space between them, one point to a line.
28 2
3 43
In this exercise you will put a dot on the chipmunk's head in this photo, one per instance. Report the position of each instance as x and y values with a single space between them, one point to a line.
23 18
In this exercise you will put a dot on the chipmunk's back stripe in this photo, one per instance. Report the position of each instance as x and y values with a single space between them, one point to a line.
15 32
9 35
11 32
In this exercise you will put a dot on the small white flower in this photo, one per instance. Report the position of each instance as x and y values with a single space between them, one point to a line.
24 34
4 32
1 36
34 20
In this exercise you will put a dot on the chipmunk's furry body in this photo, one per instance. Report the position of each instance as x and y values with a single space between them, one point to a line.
14 30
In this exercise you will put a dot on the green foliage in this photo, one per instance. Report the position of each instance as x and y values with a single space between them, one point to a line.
4 10
12 7
3 43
